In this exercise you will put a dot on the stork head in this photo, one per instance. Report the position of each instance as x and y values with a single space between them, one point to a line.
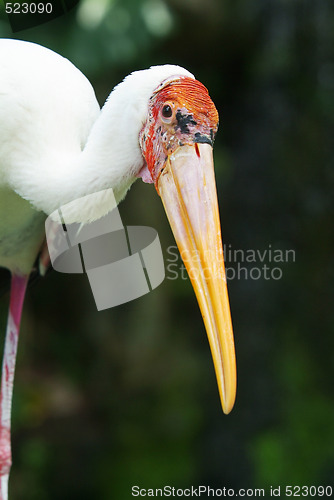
176 141
180 113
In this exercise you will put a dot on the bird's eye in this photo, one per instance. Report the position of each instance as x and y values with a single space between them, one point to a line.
167 112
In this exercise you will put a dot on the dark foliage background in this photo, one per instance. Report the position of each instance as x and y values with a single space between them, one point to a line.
128 396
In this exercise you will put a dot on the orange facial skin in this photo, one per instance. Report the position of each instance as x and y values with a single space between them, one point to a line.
180 112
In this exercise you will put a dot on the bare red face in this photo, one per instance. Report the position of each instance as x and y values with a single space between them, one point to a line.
181 112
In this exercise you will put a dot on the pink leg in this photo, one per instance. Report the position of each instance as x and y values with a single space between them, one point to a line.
17 292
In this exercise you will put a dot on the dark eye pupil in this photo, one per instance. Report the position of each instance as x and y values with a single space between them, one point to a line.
167 111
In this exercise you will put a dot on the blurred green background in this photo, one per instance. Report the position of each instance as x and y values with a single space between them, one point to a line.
128 396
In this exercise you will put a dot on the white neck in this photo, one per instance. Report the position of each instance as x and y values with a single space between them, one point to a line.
110 158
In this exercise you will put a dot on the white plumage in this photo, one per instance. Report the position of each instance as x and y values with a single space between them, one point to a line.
56 145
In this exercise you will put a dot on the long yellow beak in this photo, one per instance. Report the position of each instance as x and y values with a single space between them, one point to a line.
188 191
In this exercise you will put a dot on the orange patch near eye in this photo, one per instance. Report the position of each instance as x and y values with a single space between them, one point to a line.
194 119
192 95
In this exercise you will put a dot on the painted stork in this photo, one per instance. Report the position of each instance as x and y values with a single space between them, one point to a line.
57 145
